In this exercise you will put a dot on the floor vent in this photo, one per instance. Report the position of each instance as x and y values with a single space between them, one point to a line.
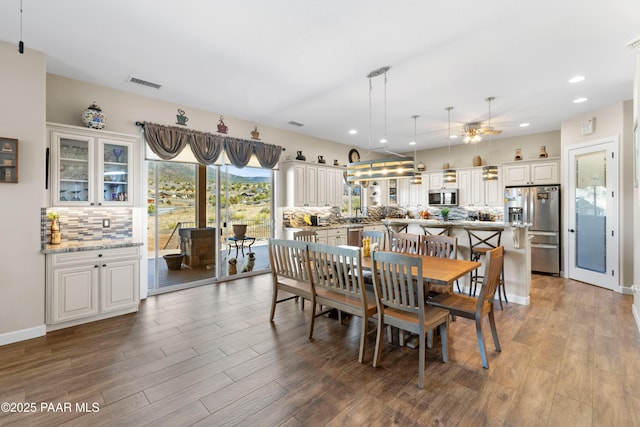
297 124
144 82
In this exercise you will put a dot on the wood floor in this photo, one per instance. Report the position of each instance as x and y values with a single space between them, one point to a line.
209 356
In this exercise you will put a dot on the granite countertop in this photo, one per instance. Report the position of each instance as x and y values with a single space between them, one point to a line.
457 223
88 246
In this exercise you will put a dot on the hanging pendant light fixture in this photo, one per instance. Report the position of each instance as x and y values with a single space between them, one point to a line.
21 44
417 176
390 168
490 172
449 175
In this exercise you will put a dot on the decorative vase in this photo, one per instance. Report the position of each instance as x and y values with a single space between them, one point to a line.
445 166
477 160
239 230
321 160
55 231
300 156
543 152
421 166
93 117
518 154
335 162
255 134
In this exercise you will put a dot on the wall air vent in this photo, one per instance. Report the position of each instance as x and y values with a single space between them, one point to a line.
141 82
296 124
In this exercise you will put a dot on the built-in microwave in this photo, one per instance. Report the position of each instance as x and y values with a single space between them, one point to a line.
443 197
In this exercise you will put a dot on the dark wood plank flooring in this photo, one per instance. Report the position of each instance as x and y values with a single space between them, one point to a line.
208 356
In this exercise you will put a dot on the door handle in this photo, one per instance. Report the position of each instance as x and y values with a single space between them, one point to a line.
571 230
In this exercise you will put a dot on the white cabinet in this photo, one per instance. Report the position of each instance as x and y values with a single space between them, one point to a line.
337 236
91 285
535 172
309 184
473 191
91 167
436 181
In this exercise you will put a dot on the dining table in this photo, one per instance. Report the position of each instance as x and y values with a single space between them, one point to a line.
436 270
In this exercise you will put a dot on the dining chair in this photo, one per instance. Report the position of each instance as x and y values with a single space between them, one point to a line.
477 308
408 243
338 284
291 273
306 236
376 237
441 246
482 240
400 296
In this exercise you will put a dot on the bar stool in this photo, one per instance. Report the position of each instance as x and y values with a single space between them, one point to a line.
481 241
444 229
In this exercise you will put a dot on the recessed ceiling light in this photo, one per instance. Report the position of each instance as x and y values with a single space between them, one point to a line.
412 143
576 79
383 141
353 132
524 125
454 137
579 100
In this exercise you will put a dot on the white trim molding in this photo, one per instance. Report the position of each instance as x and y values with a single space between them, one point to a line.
635 308
23 334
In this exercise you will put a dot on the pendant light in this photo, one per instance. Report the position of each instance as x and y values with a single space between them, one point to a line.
391 168
449 175
21 43
490 172
417 176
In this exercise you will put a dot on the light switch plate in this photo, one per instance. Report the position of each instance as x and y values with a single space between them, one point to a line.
106 223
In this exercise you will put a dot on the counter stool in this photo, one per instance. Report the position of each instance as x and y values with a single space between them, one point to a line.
395 227
444 229
481 241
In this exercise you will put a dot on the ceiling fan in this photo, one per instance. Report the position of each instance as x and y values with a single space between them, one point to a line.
472 132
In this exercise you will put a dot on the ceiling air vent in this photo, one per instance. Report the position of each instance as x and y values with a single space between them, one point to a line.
296 124
143 82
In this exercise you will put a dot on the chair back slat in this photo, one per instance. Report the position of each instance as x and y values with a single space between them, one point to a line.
306 235
338 269
377 237
397 281
441 246
407 243
493 268
289 259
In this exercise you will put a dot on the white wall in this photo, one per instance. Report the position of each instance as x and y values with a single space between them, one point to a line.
22 116
614 120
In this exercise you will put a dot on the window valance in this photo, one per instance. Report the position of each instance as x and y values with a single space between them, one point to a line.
168 141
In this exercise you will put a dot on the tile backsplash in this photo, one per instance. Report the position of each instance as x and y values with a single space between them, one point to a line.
86 224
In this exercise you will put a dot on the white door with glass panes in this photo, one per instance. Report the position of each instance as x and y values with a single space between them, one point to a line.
592 218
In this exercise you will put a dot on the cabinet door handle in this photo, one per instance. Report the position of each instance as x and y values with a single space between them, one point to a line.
99 255
92 203
104 265
96 266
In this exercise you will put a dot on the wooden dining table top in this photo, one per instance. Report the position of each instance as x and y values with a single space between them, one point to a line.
442 271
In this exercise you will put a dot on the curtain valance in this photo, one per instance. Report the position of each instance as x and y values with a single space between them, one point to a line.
168 141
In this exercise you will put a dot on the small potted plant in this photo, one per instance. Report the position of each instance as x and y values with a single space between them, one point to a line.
444 213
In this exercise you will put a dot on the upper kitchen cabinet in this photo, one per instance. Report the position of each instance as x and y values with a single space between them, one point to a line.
474 191
436 181
533 172
311 184
91 167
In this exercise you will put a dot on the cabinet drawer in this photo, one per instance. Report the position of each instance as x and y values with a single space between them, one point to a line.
69 258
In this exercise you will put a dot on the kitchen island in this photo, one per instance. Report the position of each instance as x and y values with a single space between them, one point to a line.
515 239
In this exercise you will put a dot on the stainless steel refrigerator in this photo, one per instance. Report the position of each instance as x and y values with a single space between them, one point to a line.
539 206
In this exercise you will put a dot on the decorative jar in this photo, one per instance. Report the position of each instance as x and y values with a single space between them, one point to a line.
93 117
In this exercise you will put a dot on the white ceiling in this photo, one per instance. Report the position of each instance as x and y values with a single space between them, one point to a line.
271 62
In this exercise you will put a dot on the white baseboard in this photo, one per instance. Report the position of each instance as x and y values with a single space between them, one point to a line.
22 335
636 315
511 298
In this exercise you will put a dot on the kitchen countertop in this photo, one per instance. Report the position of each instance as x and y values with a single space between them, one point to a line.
88 246
456 223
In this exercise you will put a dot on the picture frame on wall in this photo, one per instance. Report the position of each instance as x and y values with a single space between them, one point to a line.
8 160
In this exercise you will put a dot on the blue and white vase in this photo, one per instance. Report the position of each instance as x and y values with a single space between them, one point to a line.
93 117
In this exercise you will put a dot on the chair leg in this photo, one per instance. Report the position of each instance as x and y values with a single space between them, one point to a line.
483 353
494 331
313 318
421 362
363 339
443 337
377 353
430 338
274 301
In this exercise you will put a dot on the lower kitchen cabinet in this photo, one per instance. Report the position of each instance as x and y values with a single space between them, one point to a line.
90 285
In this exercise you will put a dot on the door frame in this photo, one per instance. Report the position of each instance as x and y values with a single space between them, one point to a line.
606 280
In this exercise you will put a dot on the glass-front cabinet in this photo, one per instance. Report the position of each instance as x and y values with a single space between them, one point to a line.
90 169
